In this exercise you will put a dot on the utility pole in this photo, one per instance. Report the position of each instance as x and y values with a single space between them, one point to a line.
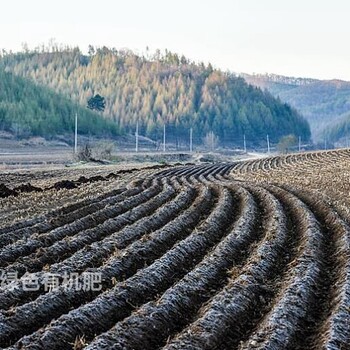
299 143
244 144
212 141
76 134
137 137
164 138
268 143
191 140
325 143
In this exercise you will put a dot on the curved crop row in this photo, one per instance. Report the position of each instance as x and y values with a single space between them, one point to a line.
149 281
121 266
97 253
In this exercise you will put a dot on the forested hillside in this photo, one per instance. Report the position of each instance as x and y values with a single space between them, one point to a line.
30 110
158 89
340 131
322 103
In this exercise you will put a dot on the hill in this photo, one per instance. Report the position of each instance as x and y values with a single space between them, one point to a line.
27 109
322 102
340 131
158 89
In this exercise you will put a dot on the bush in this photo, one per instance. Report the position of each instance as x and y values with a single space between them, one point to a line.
84 153
103 150
286 143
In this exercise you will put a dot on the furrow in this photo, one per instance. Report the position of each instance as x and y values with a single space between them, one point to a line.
95 254
111 209
67 246
224 320
152 324
122 266
82 215
145 285
301 290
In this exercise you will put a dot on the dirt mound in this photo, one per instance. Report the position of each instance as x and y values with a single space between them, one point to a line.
6 192
64 184
28 188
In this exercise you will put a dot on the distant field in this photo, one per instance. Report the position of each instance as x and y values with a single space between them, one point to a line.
237 255
34 153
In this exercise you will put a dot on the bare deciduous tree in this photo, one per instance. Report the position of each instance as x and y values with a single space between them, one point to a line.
211 141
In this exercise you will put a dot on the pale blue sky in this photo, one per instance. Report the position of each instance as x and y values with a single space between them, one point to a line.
308 38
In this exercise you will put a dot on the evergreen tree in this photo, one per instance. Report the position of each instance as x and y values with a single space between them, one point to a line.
97 103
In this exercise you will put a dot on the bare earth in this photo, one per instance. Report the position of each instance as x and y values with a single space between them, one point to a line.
230 255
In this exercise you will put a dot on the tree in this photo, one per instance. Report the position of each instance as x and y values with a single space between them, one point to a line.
97 103
91 50
211 141
286 143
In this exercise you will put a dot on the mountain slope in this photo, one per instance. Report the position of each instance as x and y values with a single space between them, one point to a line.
340 131
322 103
30 110
162 89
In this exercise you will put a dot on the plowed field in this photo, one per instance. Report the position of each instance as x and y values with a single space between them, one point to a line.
250 255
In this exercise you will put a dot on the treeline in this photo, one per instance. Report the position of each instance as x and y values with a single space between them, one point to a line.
281 79
157 89
27 109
